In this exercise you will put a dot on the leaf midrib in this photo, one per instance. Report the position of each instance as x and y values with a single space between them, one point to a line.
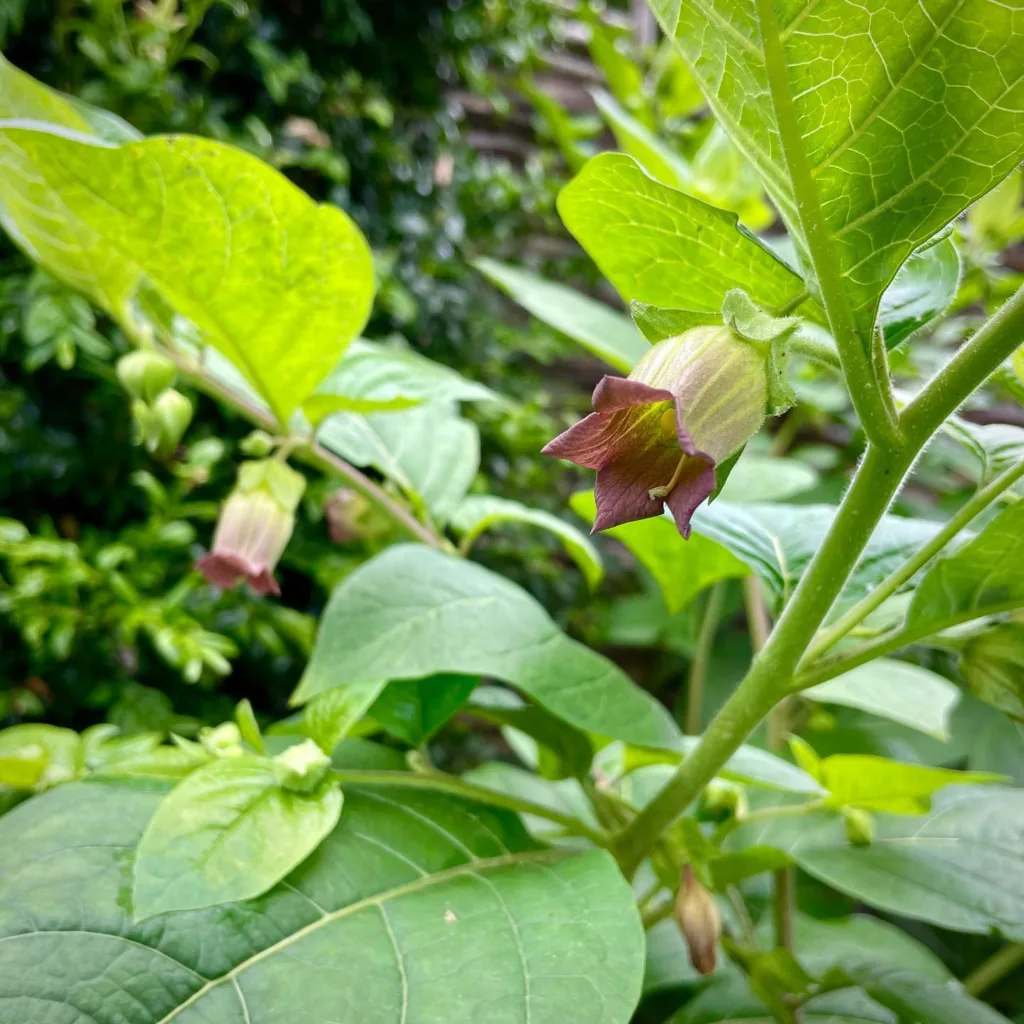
471 868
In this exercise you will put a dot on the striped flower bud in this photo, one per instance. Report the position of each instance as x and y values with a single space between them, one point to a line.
699 920
655 437
255 526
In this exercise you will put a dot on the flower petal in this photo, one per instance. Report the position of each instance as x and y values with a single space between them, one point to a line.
695 484
227 571
625 421
622 486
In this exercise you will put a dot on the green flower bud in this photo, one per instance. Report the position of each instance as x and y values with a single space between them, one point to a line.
222 740
145 374
173 413
301 768
259 444
860 826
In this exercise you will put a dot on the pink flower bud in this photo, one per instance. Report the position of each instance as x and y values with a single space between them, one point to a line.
655 437
255 526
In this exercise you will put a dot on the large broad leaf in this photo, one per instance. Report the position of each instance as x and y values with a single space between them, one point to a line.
431 453
900 119
959 866
982 577
34 213
276 282
758 478
610 335
228 832
663 247
479 512
414 709
413 612
417 907
924 289
374 373
681 568
778 542
992 662
905 693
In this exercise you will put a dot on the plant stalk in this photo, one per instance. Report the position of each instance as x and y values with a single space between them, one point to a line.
443 783
868 386
860 611
994 969
702 657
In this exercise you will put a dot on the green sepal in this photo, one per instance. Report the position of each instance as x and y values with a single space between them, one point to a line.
722 471
753 324
657 323
285 484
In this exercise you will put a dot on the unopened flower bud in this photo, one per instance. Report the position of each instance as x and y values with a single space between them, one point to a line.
344 510
147 427
699 920
222 740
255 526
258 444
656 436
145 374
860 826
301 767
173 413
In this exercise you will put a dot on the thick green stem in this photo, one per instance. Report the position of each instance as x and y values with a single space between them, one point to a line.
877 481
868 390
439 782
702 657
860 611
994 969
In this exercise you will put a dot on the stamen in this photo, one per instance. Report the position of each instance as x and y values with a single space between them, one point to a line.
666 489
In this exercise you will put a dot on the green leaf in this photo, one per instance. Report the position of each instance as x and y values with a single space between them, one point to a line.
916 998
749 765
733 868
997 446
924 289
656 157
764 478
729 999
880 784
34 756
905 693
431 453
414 709
228 832
660 246
606 333
277 283
332 714
415 904
372 377
34 213
477 513
778 541
901 119
681 568
992 662
981 577
562 751
413 612
958 867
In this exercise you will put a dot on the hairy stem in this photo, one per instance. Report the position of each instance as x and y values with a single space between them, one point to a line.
994 969
860 611
869 389
442 783
702 657
876 483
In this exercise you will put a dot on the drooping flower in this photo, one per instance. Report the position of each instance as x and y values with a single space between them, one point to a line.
656 436
255 526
